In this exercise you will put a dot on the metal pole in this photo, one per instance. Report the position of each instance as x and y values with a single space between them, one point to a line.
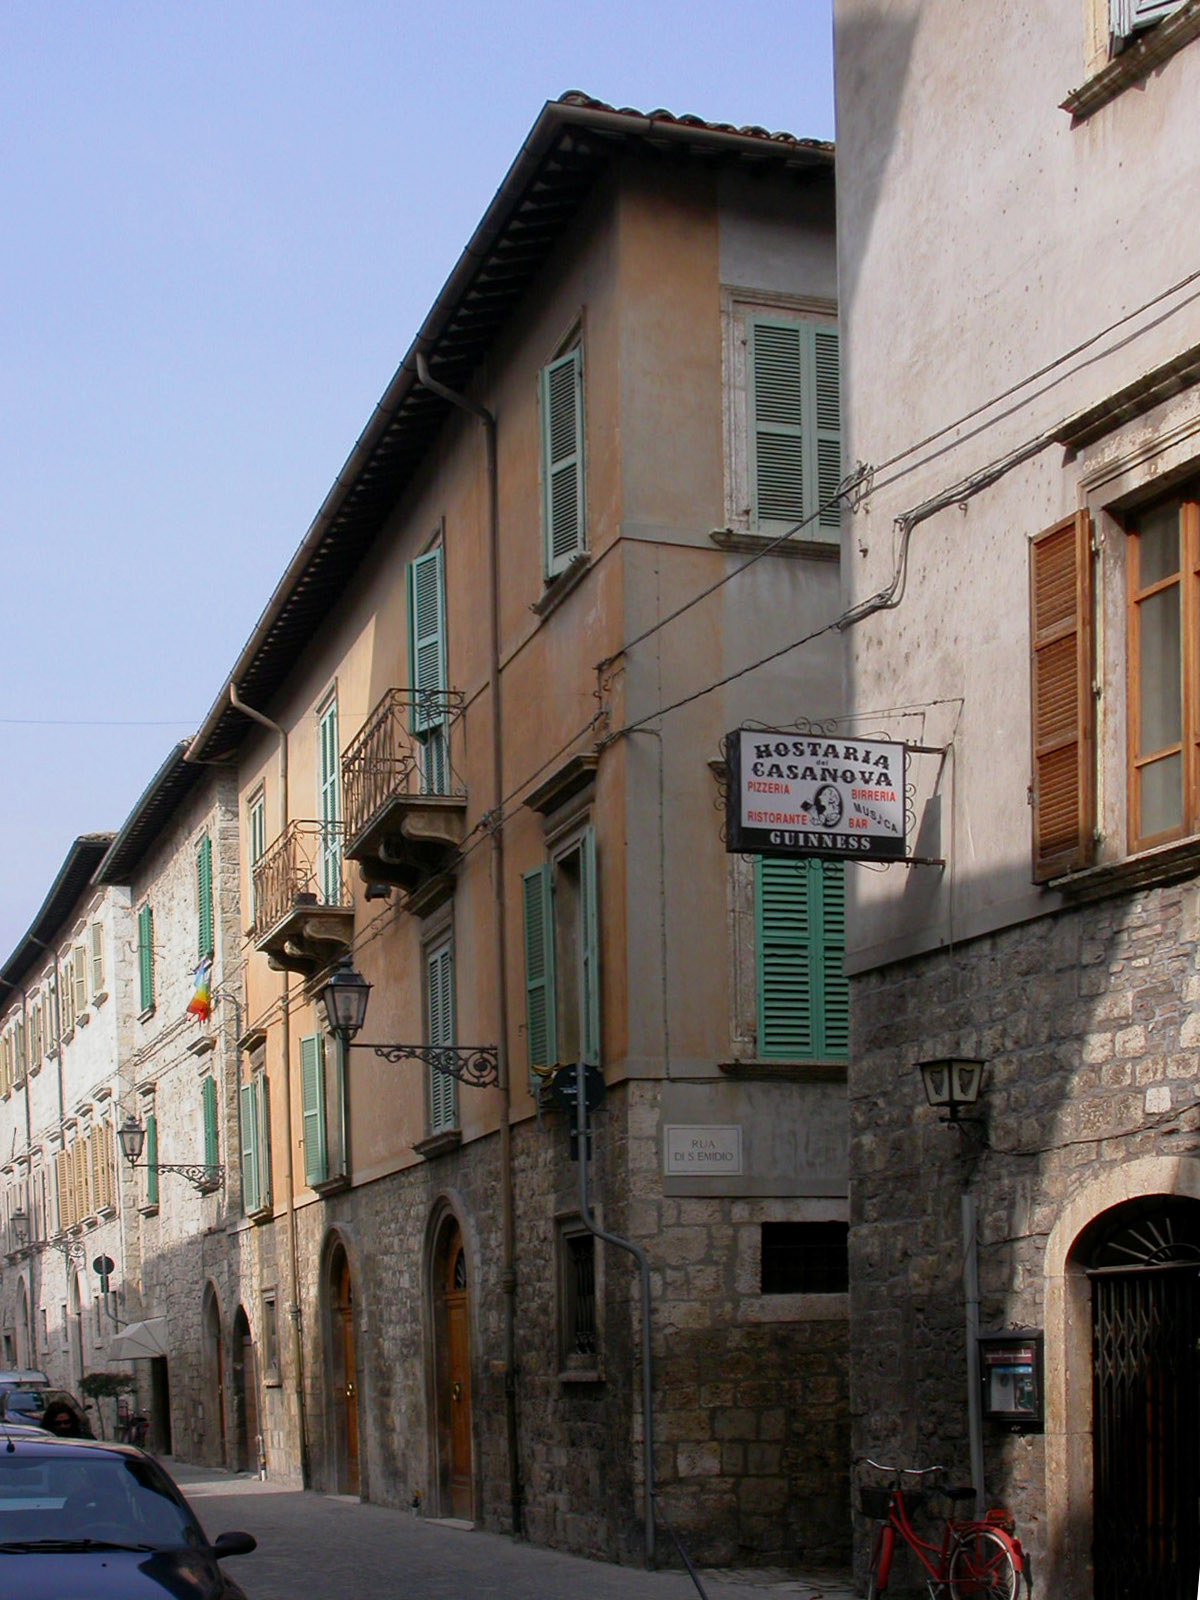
589 1222
974 1397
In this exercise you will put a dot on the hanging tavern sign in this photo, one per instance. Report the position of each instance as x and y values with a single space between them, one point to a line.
793 794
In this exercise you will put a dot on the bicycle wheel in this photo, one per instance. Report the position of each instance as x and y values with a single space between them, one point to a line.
981 1568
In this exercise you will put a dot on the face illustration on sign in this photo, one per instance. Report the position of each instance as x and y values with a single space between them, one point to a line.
826 807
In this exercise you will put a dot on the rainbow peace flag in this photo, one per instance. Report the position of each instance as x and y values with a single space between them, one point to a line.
200 1005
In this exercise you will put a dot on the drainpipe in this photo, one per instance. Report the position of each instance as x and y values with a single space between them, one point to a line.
294 1311
499 928
974 1393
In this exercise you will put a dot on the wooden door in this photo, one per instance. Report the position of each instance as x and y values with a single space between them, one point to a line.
457 1399
221 1396
347 1376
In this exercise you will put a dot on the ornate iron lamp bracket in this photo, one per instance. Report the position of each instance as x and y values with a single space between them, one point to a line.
197 1173
477 1065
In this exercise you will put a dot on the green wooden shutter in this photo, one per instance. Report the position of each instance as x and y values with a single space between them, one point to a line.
208 1100
777 415
262 1096
835 994
539 967
589 938
329 780
204 897
427 665
564 517
312 1101
827 441
795 426
152 1160
146 957
443 1101
800 934
248 1115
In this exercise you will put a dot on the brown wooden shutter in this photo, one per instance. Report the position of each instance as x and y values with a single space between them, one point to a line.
1060 589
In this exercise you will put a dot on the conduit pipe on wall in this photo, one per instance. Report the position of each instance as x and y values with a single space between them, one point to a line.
294 1310
499 928
639 1255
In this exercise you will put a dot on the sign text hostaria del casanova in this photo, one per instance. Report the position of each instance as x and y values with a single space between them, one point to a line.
793 794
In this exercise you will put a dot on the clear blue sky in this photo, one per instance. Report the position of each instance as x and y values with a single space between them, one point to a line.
220 227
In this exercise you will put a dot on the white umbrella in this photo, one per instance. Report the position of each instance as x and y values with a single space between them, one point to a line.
137 1340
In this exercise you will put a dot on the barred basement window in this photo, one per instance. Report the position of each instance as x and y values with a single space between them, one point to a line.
805 1258
581 1294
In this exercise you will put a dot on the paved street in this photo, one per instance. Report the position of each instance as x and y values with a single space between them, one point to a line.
313 1546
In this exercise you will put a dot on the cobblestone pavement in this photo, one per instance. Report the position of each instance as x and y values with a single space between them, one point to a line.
313 1547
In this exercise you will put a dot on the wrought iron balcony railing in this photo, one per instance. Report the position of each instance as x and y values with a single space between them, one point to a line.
300 871
409 748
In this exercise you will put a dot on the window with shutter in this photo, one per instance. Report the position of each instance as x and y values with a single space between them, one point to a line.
1163 697
794 421
800 941
1127 17
145 928
262 1090
329 798
79 970
208 1101
562 956
427 666
151 1158
62 1189
67 969
564 519
540 1031
439 991
256 843
96 934
248 1132
312 1105
1060 568
204 898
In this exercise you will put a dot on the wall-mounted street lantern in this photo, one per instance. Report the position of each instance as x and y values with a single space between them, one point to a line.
952 1084
19 1223
132 1135
345 996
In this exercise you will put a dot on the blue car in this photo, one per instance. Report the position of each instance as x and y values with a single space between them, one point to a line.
98 1521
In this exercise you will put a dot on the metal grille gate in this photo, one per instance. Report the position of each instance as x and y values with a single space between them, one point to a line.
1146 1432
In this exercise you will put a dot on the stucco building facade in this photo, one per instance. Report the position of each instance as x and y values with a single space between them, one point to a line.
1020 374
478 742
63 1021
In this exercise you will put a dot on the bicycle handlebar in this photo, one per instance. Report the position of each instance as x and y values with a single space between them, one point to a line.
911 1472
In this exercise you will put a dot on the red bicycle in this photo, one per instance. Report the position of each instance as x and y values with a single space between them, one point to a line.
976 1558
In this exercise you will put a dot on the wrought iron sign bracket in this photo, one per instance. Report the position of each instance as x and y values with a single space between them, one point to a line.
477 1065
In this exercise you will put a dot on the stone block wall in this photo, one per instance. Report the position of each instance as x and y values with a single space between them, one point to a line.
751 1431
1085 1020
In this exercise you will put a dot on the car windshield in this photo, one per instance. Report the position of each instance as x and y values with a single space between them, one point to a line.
30 1402
48 1501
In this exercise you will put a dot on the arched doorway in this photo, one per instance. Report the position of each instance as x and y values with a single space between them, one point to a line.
452 1372
214 1382
247 1445
343 1371
1141 1260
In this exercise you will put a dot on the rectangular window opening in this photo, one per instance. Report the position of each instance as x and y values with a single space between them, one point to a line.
805 1258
